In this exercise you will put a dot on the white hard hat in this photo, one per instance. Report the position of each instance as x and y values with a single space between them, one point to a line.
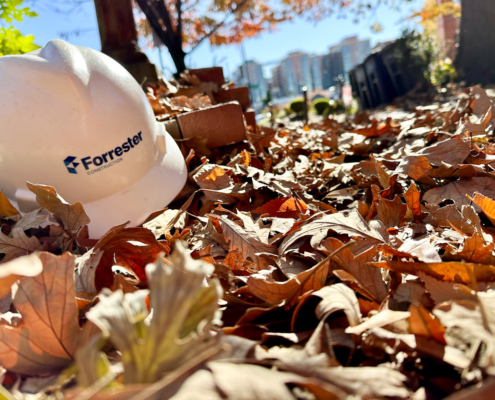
75 119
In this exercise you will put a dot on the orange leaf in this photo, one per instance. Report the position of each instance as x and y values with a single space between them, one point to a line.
486 204
283 207
422 323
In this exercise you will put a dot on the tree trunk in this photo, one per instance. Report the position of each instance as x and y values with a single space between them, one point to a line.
475 60
179 59
119 38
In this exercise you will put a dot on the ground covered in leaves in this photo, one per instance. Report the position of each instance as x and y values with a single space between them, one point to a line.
349 258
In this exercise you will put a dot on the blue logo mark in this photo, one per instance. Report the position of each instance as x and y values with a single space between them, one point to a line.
71 165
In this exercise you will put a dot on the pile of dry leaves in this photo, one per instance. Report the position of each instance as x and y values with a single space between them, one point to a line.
344 259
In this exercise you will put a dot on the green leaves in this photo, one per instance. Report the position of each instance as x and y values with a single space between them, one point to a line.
11 40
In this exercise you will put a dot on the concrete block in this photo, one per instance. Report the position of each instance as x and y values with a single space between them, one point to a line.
221 125
240 94
213 74
250 117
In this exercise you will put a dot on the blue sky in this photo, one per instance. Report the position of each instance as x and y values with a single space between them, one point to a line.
290 36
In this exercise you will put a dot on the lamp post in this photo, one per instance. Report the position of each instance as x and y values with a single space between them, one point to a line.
118 37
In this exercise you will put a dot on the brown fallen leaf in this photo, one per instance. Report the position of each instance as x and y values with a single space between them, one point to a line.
335 298
247 242
71 216
412 197
288 292
351 224
447 271
474 250
414 166
369 277
391 212
459 190
16 269
422 323
17 245
283 207
44 336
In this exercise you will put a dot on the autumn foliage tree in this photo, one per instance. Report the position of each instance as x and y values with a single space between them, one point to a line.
182 25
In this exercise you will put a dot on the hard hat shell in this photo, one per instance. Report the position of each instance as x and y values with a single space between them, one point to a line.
75 119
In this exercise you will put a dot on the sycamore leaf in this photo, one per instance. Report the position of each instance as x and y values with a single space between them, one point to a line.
44 336
486 204
184 307
72 216
20 267
6 208
17 245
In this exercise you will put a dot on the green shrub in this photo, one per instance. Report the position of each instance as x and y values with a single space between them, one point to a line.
320 105
297 106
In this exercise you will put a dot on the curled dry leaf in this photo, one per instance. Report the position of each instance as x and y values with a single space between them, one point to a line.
184 307
72 216
130 248
486 204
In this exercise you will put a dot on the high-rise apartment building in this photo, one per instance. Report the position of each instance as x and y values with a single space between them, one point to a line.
292 74
317 72
353 50
333 66
251 74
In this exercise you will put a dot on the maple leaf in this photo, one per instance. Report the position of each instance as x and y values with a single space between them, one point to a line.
183 309
17 245
44 336
72 216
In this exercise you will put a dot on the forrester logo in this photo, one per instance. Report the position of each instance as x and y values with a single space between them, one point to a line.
105 160
70 161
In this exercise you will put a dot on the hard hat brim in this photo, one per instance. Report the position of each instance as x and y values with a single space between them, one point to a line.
152 192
